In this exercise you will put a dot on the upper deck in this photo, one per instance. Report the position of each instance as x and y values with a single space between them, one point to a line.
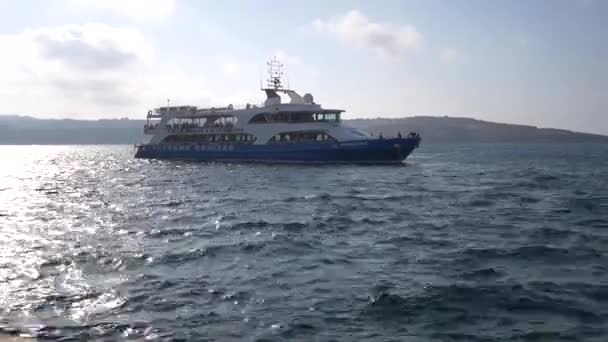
273 101
193 111
274 116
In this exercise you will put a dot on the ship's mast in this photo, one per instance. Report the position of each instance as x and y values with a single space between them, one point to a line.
274 75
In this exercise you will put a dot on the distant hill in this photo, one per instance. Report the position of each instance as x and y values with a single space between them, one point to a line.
24 130
467 130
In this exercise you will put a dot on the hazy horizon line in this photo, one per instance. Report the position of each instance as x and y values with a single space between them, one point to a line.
127 118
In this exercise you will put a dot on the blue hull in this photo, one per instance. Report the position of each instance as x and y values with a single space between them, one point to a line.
377 151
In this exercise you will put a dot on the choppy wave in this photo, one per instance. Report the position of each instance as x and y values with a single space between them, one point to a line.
464 243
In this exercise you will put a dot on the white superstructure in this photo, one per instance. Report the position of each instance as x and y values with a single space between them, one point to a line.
272 121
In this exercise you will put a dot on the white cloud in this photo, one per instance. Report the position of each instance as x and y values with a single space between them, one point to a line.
387 39
449 56
286 58
96 70
231 67
130 8
91 67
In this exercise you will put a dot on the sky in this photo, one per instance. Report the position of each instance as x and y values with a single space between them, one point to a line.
536 62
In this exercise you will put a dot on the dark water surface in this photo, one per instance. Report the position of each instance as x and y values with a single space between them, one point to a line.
464 243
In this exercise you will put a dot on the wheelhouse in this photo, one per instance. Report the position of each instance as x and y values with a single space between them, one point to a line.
332 116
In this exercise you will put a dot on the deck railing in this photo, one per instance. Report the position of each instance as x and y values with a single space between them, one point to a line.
190 110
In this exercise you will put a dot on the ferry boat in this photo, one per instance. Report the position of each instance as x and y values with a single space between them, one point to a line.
300 131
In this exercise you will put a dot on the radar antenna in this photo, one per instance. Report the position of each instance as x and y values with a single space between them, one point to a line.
274 74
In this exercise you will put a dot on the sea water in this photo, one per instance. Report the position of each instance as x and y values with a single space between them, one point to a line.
485 242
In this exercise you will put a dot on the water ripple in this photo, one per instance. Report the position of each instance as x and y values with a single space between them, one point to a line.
464 243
